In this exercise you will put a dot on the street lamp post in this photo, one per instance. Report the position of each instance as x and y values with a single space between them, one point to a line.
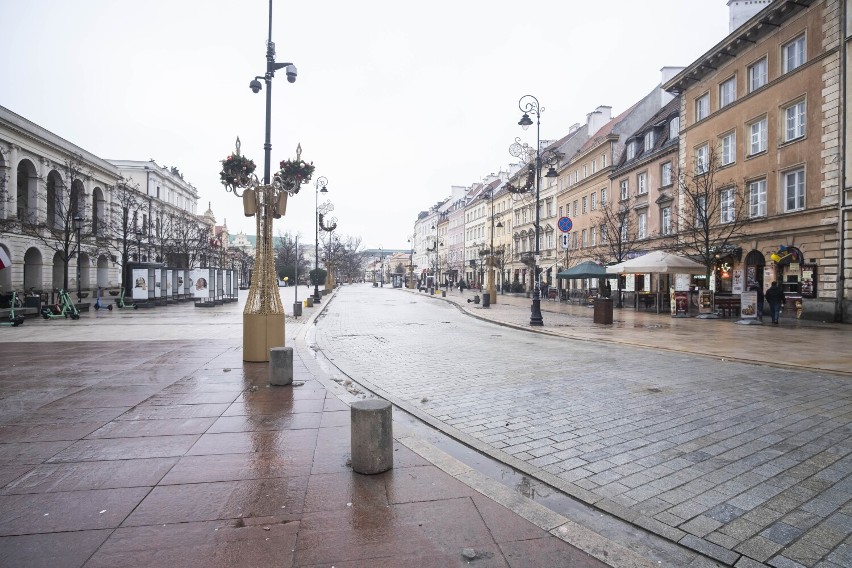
381 266
78 227
321 187
492 289
529 104
437 284
263 316
411 263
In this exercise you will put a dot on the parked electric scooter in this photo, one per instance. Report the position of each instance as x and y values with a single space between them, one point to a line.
13 320
64 308
122 305
98 305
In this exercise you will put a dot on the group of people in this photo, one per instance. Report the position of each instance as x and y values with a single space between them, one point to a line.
774 297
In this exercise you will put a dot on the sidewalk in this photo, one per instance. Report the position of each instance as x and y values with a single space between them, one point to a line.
793 343
166 449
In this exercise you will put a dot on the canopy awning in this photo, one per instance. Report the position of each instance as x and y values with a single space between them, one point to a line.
587 269
659 262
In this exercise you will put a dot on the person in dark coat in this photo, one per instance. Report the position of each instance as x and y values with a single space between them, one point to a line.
775 297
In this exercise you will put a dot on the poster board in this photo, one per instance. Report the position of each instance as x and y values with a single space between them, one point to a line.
140 283
158 283
200 282
220 284
705 301
682 282
737 281
748 305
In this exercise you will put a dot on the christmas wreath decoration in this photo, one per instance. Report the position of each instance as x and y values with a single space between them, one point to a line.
236 170
296 171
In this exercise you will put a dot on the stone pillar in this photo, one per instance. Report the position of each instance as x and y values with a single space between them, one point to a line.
281 366
12 183
372 436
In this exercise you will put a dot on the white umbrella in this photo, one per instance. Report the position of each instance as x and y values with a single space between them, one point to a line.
660 262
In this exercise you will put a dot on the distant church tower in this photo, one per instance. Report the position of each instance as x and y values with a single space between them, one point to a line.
740 11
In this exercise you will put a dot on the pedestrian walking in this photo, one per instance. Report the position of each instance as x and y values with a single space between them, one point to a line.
756 288
775 297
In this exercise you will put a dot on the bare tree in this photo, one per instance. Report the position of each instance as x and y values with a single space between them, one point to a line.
288 257
63 199
123 223
709 214
189 240
351 260
618 233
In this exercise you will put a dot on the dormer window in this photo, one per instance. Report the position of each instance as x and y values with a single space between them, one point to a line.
674 128
631 150
649 141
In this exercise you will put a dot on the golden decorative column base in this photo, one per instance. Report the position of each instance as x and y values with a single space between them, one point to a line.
260 333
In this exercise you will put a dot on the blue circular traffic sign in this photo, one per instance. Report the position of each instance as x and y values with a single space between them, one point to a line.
565 224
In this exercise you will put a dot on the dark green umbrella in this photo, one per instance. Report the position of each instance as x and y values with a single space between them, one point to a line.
587 269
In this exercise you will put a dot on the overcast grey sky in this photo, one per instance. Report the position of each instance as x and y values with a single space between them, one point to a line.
395 101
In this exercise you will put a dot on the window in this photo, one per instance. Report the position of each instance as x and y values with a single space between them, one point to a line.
757 198
757 76
729 148
649 141
793 54
603 234
726 205
560 212
576 176
794 190
643 225
573 240
666 220
700 210
584 241
594 199
642 183
584 205
728 92
623 229
702 107
585 171
666 174
550 244
575 208
631 150
603 196
757 133
674 128
625 189
702 157
603 160
794 121
549 207
592 237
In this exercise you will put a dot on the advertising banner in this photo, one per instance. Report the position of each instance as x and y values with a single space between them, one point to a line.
158 283
140 283
682 282
680 303
737 284
705 302
748 305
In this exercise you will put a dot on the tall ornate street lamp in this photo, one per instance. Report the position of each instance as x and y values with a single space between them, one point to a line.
529 104
263 316
320 184
490 286
78 227
436 283
411 262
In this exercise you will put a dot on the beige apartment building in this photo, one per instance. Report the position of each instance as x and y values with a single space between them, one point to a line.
766 100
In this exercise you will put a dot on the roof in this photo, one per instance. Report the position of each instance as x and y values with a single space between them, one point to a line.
660 123
759 26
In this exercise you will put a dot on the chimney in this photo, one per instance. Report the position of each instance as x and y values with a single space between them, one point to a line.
598 118
667 74
741 11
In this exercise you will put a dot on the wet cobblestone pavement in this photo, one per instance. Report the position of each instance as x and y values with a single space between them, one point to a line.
730 440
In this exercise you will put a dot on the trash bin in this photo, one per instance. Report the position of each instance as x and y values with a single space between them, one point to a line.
603 310
486 300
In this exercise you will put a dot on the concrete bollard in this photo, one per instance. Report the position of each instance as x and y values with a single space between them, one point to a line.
372 436
310 301
280 366
297 309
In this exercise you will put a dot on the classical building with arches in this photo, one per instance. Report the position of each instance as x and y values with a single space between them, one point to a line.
57 198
